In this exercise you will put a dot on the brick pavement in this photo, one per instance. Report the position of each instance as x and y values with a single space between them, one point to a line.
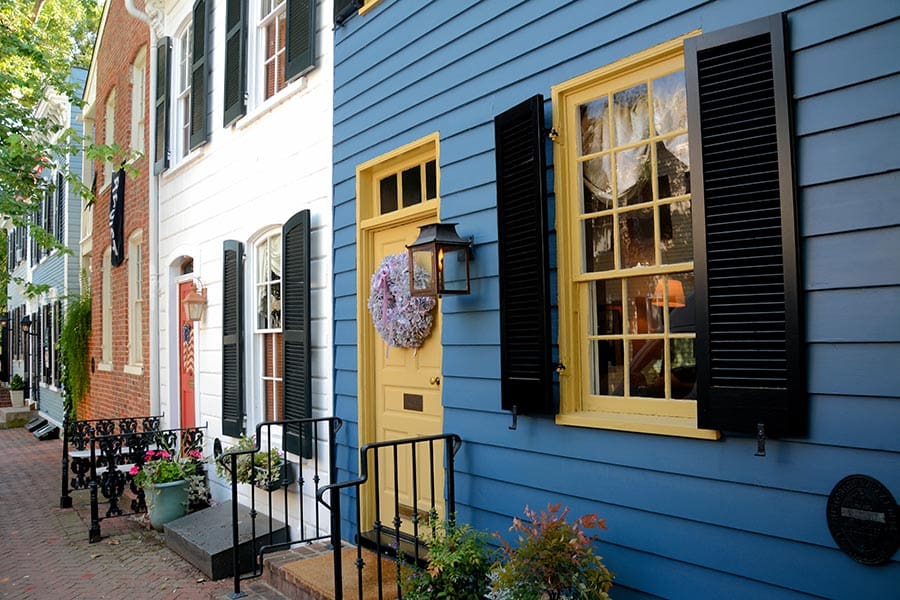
44 552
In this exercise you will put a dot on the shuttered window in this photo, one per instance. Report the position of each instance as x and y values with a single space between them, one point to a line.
296 331
199 75
343 9
163 74
679 297
235 60
525 358
748 296
232 339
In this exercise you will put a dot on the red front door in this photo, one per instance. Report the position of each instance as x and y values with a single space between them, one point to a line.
186 358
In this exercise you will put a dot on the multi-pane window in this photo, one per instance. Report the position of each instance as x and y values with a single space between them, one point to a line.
268 347
135 299
138 100
271 28
183 93
626 209
408 186
106 308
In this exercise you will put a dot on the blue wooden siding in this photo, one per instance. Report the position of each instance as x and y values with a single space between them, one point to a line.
687 518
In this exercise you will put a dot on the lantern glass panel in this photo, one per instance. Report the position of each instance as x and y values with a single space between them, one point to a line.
453 266
424 261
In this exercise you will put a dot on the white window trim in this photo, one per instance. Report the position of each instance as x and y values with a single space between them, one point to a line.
106 358
257 404
256 72
138 100
135 301
181 75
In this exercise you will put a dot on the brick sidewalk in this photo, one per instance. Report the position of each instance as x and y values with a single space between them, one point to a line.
44 552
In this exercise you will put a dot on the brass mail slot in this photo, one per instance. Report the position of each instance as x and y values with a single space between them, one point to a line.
413 402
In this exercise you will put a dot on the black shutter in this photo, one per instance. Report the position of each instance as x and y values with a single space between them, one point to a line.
235 60
163 78
525 361
343 9
750 367
199 75
296 333
232 339
60 208
300 39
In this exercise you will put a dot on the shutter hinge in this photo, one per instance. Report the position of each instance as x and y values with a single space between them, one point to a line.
760 439
560 368
515 416
553 134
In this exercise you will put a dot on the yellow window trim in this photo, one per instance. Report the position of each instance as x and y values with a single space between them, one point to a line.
367 6
577 406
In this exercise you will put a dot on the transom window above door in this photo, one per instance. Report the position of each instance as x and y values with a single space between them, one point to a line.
407 187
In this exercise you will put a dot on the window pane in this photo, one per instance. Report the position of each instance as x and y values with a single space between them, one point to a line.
412 186
631 115
270 79
262 263
595 177
598 244
677 240
388 194
595 126
606 299
275 306
643 315
646 374
673 167
608 377
633 176
684 369
669 103
262 312
275 257
681 303
430 180
636 236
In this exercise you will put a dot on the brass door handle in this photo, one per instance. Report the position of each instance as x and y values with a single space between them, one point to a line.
436 380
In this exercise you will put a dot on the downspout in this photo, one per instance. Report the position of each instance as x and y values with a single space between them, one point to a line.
153 219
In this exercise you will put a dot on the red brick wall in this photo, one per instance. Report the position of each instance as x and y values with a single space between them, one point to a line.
117 393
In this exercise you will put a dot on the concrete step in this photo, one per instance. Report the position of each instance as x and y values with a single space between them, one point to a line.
15 417
205 538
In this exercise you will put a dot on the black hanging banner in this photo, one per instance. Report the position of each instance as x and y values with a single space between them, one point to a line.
117 217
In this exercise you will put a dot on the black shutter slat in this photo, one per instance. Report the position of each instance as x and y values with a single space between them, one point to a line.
300 38
232 339
60 208
525 354
296 318
199 133
343 9
749 362
235 60
163 78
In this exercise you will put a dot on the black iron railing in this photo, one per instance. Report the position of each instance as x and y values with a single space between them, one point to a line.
395 528
240 464
77 436
111 458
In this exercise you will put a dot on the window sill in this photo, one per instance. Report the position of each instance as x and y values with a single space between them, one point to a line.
292 89
133 370
102 366
654 424
192 157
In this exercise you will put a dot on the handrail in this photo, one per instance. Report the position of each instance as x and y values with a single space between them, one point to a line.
229 460
334 490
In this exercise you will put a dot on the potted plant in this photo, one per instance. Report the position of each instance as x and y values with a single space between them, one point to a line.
264 468
17 390
459 563
164 477
554 559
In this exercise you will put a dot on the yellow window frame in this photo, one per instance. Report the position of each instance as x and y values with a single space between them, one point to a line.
578 406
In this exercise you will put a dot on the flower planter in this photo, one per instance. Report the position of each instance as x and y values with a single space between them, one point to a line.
166 502
17 398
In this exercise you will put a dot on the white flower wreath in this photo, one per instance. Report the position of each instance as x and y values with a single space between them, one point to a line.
403 321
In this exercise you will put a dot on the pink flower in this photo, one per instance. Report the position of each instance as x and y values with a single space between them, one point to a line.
164 454
134 470
195 454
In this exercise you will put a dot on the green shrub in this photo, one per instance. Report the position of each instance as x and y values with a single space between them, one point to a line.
554 559
266 464
459 563
16 382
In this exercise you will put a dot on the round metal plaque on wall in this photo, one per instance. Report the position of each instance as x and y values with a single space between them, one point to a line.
863 520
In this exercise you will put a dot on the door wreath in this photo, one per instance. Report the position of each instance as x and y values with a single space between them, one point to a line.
402 320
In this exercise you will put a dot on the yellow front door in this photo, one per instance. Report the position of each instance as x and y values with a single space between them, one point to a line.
406 402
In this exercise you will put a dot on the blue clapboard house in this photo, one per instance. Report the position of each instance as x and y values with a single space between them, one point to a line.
684 288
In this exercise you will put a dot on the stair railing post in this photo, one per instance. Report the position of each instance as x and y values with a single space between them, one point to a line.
235 547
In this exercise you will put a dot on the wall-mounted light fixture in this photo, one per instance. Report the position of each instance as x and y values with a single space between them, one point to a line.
195 303
26 325
444 257
4 320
